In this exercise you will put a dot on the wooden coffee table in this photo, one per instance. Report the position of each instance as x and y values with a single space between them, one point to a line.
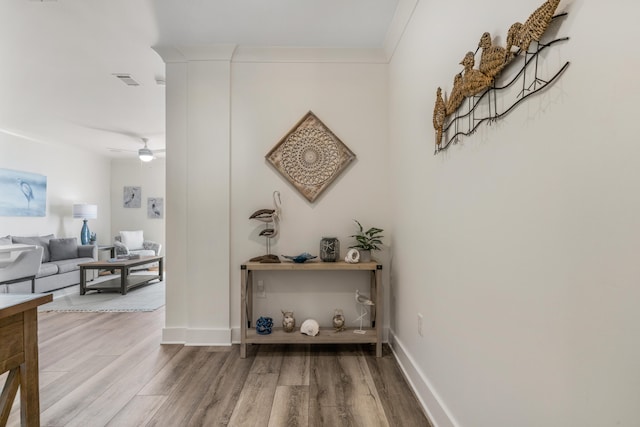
126 281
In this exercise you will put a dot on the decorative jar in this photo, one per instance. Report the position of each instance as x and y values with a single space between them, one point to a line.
329 249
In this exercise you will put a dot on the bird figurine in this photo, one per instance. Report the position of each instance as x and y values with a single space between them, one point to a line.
439 114
521 35
493 58
26 190
456 96
338 320
269 216
473 81
364 302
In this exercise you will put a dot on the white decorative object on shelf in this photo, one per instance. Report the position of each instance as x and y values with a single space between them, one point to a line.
353 256
310 327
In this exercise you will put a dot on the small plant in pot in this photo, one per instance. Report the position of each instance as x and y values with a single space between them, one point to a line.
367 241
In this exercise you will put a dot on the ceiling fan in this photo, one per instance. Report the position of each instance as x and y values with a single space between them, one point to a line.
145 154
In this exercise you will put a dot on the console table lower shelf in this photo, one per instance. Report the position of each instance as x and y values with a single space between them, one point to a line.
371 335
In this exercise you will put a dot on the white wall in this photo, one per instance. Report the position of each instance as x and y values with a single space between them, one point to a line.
198 185
223 116
150 177
73 176
268 98
519 245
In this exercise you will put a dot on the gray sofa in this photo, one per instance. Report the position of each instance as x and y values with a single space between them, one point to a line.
59 267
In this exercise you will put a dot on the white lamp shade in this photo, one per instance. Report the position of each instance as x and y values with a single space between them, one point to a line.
85 211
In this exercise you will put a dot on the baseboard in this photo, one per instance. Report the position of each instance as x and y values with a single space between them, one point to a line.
437 412
197 337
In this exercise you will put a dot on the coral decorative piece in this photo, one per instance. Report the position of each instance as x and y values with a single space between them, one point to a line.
310 156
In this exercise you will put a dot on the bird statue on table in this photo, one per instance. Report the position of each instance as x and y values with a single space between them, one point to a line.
363 301
269 216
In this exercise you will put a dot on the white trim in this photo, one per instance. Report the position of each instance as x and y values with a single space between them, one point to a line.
218 52
197 337
254 54
399 23
436 410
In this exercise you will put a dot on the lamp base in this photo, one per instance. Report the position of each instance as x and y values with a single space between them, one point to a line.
85 234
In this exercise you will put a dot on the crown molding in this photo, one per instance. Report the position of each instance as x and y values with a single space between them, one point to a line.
307 55
399 23
218 52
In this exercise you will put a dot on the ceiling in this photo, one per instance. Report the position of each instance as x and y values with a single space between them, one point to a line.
59 57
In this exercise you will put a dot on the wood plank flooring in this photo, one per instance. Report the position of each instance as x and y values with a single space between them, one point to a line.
109 369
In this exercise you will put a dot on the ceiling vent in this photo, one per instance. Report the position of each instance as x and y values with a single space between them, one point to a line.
127 79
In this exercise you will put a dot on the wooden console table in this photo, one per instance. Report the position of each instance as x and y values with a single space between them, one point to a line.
19 355
248 334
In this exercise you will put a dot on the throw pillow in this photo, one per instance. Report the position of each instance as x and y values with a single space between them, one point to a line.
38 241
63 248
132 239
5 240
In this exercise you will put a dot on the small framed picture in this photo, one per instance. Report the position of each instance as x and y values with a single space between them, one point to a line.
155 207
132 197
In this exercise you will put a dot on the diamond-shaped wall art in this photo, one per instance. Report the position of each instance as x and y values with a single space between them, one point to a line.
310 156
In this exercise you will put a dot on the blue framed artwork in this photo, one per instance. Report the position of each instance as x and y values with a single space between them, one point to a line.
22 193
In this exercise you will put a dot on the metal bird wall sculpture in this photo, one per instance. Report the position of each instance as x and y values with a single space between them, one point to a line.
481 86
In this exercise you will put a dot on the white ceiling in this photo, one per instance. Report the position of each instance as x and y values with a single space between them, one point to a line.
59 57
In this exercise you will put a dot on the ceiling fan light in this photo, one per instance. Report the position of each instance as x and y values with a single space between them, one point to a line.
145 154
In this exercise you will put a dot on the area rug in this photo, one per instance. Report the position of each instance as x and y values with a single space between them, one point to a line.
143 298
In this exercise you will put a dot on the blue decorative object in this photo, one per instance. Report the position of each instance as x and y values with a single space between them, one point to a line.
85 211
264 325
85 234
305 256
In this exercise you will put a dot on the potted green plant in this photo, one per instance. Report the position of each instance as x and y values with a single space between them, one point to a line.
367 241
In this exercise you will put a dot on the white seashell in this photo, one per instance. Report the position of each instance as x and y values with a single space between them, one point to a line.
353 256
310 327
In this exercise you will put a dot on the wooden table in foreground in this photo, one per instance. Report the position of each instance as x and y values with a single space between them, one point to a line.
248 334
19 355
125 281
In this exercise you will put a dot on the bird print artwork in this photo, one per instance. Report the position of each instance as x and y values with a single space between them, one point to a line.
131 197
26 190
155 207
22 193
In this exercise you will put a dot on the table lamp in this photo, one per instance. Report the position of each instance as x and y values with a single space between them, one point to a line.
85 211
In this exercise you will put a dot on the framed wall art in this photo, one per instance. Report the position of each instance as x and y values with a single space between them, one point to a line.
310 156
155 207
132 197
22 193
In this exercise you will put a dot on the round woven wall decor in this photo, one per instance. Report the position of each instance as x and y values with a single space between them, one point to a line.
310 156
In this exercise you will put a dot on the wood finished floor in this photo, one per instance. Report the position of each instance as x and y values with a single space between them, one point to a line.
109 369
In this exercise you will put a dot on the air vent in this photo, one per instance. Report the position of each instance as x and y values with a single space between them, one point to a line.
127 79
